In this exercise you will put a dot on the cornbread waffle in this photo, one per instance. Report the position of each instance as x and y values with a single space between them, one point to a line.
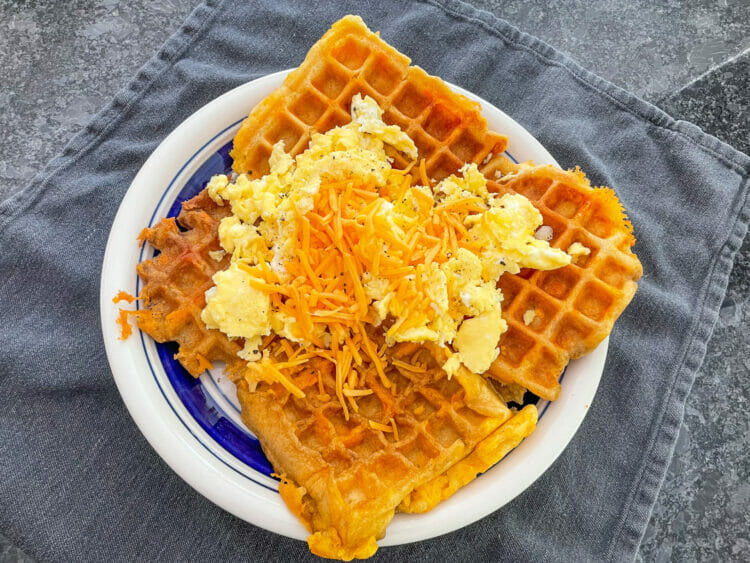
447 128
345 478
575 307
494 447
175 282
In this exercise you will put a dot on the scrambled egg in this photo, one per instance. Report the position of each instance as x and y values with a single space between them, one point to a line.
264 213
577 249
461 304
465 300
529 316
237 309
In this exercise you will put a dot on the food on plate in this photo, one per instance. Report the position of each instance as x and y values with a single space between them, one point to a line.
380 282
449 131
344 477
575 307
336 242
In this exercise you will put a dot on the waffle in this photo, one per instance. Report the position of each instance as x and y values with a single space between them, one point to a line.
344 479
575 307
447 128
489 451
175 282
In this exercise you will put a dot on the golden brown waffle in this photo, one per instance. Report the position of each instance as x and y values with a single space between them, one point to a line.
348 478
345 478
489 451
576 306
447 128
175 282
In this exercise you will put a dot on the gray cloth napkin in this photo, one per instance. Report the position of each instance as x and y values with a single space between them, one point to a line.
77 479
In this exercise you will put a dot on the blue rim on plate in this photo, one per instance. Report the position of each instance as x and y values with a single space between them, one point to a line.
202 406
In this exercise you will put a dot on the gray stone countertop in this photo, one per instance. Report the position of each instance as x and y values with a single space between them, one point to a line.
61 62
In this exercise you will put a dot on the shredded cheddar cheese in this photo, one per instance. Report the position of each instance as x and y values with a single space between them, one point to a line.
343 256
123 296
122 319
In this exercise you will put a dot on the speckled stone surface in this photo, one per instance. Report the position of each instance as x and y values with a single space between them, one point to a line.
62 61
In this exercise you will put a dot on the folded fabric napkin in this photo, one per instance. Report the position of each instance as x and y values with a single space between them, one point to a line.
77 479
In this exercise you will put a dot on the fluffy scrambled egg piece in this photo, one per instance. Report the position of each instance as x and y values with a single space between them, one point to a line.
238 310
577 249
449 298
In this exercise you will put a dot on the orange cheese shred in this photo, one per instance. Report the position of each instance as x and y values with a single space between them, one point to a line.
122 319
350 231
123 296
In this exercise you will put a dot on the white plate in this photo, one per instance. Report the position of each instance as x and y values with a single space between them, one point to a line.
194 425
